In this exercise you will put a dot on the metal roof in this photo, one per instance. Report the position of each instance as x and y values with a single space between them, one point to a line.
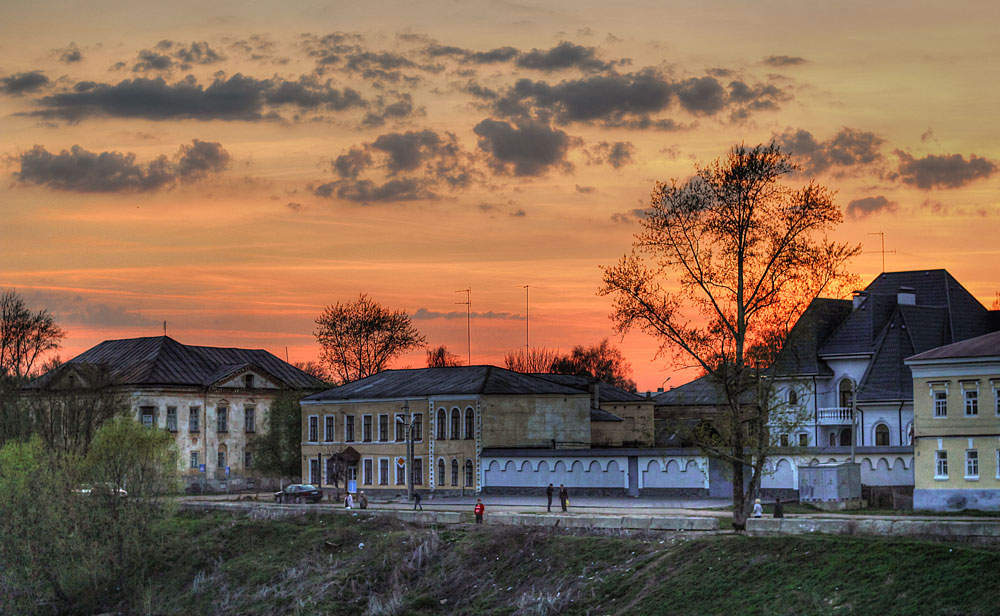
452 380
605 392
980 346
161 360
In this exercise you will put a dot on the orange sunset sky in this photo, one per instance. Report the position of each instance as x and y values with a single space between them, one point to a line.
233 167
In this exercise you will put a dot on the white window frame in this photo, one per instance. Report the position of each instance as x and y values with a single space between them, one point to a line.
470 473
941 460
194 413
329 431
222 419
974 399
418 479
455 427
195 462
350 438
388 471
383 438
368 472
399 427
469 411
972 464
371 429
310 437
250 419
396 468
173 427
417 424
940 410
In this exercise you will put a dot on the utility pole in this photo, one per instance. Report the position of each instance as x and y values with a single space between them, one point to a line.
408 422
854 418
468 316
526 324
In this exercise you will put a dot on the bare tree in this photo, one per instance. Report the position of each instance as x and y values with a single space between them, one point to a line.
600 361
315 369
530 360
724 262
441 357
25 336
360 338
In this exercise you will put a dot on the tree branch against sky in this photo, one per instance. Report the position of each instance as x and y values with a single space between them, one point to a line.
360 338
724 263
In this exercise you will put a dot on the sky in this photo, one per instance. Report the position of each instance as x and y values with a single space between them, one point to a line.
231 168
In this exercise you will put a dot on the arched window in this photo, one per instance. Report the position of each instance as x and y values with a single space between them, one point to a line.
793 397
845 437
846 393
441 476
456 422
454 471
442 425
470 423
468 473
881 435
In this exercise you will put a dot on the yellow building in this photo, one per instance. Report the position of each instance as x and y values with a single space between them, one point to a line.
357 432
957 425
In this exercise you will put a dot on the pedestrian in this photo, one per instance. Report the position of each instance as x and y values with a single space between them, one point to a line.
363 501
758 511
479 510
416 501
779 509
349 501
563 497
548 496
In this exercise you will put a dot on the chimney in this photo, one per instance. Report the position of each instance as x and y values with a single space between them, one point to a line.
906 296
595 390
659 390
859 298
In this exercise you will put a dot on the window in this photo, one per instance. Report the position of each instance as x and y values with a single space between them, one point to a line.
941 465
348 428
417 426
468 473
456 420
247 460
400 427
846 393
418 471
250 419
470 423
172 418
972 464
383 428
383 471
793 397
248 381
221 459
193 416
400 473
329 428
313 471
313 429
148 414
881 435
366 477
454 471
803 439
442 425
366 428
971 402
440 475
195 463
783 439
222 419
940 404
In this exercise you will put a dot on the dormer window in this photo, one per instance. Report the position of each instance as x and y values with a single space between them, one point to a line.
248 381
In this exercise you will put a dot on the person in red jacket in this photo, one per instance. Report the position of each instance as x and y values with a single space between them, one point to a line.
479 510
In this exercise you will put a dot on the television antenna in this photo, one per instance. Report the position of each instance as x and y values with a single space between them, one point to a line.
468 316
883 250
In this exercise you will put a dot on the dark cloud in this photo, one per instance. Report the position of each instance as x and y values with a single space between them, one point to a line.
71 307
235 98
423 314
258 48
585 189
151 61
407 151
295 207
848 148
366 191
400 108
518 213
69 54
784 60
493 56
79 170
563 56
630 216
944 171
702 95
21 83
529 148
617 154
351 164
330 49
861 208
195 53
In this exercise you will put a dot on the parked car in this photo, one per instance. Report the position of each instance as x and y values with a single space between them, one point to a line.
100 489
299 493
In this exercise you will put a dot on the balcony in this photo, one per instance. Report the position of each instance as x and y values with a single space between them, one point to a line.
835 416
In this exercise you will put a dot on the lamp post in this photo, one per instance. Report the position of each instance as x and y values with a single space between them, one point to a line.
408 424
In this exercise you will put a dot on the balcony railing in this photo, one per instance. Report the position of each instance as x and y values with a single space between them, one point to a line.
835 416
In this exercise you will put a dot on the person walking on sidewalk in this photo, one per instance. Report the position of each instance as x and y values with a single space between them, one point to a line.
479 510
548 496
363 500
563 497
416 501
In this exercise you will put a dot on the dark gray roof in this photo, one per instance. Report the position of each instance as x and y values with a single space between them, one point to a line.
602 415
161 360
980 346
703 391
606 392
455 380
800 353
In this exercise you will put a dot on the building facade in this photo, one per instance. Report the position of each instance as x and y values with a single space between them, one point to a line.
957 425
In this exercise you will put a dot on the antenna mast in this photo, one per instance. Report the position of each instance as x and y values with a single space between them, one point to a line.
883 251
468 316
526 323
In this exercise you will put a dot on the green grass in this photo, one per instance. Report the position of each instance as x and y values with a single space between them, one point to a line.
231 564
807 508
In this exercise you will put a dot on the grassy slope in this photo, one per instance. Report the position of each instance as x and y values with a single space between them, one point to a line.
225 564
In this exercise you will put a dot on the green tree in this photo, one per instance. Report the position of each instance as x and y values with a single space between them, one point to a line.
723 264
600 361
360 338
277 450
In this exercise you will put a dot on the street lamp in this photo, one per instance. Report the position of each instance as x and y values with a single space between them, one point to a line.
408 425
